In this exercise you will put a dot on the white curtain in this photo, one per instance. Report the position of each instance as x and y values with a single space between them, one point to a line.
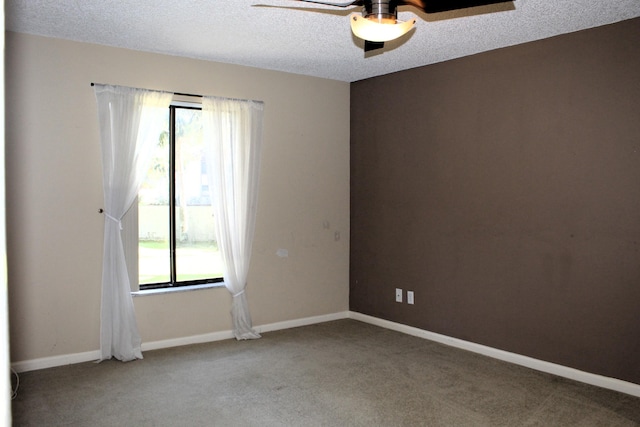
129 126
233 133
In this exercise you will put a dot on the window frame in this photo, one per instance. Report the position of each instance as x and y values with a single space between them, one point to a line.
173 283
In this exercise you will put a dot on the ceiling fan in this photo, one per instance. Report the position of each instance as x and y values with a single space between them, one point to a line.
378 22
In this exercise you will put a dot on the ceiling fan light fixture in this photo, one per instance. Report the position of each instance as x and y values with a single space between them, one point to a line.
379 30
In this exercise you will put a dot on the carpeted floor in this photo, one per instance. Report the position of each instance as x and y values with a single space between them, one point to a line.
342 373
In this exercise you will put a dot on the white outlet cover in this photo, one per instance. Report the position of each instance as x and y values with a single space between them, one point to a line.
282 253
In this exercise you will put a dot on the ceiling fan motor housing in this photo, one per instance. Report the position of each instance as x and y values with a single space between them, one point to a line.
383 11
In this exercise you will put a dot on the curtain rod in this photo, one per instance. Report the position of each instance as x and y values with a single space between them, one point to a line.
175 93
190 94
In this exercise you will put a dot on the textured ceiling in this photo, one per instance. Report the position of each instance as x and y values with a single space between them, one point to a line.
304 38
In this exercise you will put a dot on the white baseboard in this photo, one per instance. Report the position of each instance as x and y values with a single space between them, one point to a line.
529 362
226 335
288 324
91 356
539 365
53 361
194 339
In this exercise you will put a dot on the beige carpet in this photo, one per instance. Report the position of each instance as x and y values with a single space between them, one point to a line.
342 373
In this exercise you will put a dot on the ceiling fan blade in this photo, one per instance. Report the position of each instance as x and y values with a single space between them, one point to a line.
369 45
343 4
335 12
435 6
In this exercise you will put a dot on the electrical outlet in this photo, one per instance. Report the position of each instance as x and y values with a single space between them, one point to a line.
398 295
409 297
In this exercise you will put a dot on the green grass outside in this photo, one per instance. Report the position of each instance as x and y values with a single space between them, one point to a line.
195 262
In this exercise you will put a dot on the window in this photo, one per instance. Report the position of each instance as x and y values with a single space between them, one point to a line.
176 241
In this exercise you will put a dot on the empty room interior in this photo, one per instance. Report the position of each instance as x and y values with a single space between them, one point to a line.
488 202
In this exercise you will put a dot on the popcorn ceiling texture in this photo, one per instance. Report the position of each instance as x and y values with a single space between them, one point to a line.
315 42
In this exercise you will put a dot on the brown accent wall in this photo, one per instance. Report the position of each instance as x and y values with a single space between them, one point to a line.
504 189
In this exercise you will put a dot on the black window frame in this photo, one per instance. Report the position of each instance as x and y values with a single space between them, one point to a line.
173 283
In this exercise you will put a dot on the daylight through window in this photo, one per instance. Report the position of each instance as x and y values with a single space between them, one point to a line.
176 232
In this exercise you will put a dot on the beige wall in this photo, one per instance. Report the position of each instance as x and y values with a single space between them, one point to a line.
54 193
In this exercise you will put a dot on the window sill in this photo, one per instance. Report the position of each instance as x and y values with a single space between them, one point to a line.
177 289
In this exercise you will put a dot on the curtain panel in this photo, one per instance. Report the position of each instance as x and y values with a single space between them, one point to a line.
128 120
233 133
